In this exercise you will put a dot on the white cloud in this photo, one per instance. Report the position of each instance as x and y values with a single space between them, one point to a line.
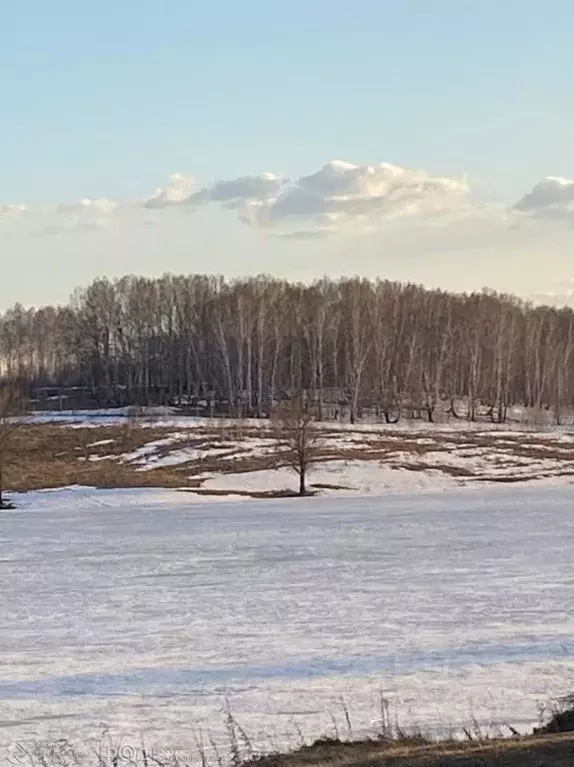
179 189
340 199
83 214
341 194
553 197
87 205
242 189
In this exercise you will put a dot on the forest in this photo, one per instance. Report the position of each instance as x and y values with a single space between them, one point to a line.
241 346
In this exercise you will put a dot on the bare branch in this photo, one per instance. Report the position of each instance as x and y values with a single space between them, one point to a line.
298 440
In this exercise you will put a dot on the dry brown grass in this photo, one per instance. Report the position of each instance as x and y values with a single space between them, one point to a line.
48 456
546 751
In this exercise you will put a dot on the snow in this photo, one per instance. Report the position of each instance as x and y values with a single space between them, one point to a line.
205 446
185 455
143 454
142 610
76 497
488 461
345 477
169 417
101 442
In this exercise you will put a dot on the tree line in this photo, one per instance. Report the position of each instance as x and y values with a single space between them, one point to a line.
247 344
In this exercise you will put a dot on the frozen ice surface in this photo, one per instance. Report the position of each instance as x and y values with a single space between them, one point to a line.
143 610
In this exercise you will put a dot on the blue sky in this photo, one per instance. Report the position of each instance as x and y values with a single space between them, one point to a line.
104 100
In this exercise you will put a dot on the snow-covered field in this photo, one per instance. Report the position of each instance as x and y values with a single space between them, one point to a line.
141 611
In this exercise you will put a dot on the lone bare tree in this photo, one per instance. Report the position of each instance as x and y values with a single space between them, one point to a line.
298 439
10 408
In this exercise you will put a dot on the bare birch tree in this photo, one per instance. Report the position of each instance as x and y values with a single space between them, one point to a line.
242 346
298 440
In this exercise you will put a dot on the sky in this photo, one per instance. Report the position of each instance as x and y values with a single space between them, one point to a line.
408 139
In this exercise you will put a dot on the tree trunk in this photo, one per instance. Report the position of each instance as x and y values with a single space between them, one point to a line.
302 488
